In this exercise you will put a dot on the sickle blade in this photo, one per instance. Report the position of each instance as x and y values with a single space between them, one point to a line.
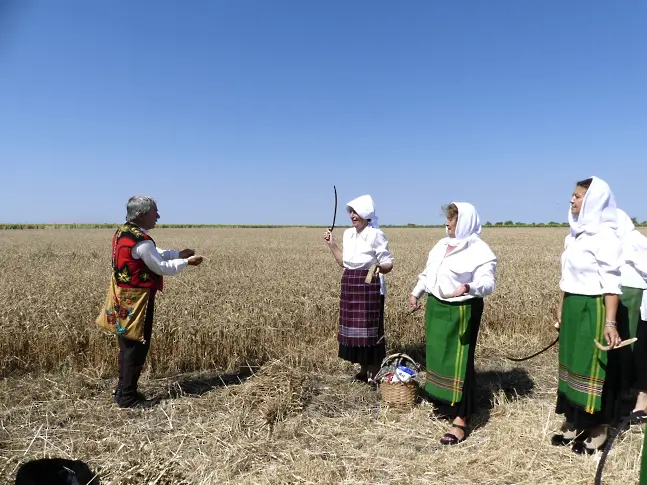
514 359
334 217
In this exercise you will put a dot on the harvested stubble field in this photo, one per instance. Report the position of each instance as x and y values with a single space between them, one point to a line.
244 350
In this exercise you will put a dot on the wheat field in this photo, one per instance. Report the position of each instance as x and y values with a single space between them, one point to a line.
244 354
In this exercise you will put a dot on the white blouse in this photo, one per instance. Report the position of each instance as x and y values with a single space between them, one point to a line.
591 264
362 249
633 271
631 277
473 263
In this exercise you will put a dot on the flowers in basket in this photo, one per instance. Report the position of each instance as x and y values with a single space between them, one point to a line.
399 368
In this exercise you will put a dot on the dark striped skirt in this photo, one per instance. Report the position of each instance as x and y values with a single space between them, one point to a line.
361 319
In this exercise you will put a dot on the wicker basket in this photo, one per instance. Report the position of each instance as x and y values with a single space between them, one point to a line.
399 394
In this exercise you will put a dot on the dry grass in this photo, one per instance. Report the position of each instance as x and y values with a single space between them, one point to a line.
244 349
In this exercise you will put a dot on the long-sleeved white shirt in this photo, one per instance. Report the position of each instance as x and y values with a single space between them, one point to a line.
160 261
472 263
643 307
633 271
631 277
591 264
362 249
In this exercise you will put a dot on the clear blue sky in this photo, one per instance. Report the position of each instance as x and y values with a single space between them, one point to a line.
249 111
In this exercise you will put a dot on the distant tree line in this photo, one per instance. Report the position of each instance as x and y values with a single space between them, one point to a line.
525 224
270 226
545 224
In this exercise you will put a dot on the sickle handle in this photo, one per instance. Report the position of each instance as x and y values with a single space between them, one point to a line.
624 343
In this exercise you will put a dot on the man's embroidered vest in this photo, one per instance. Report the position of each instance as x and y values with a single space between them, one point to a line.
128 271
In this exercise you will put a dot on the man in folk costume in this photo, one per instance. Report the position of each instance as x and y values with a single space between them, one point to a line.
138 269
590 380
633 276
460 272
361 316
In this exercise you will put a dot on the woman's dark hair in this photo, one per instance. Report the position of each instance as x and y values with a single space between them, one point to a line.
450 211
585 183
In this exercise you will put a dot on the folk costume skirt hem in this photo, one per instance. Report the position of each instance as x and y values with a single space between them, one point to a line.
590 380
452 331
365 356
361 319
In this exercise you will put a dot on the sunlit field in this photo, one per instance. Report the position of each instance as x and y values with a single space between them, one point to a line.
244 353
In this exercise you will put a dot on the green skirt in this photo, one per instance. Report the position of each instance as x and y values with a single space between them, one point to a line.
629 309
450 331
582 366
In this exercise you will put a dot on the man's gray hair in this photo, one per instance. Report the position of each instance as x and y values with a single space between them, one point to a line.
138 205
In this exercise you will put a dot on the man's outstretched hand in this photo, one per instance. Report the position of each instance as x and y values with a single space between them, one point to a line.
195 260
186 253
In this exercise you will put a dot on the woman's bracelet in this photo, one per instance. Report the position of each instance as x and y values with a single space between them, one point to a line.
611 324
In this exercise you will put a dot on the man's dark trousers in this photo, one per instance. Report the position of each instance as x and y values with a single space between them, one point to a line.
132 356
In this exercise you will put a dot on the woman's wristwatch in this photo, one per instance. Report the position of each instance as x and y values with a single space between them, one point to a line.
467 289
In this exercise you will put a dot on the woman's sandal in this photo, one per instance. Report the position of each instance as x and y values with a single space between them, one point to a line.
560 440
361 377
452 439
565 438
591 445
580 448
637 417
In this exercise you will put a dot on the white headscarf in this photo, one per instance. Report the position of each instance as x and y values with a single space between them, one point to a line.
468 225
625 225
365 208
598 209
468 236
